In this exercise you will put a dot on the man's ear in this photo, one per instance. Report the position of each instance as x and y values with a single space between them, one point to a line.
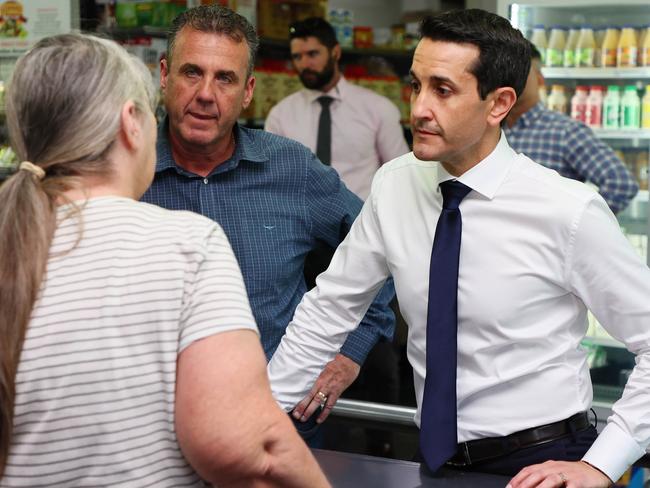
336 52
503 99
248 92
130 125
164 72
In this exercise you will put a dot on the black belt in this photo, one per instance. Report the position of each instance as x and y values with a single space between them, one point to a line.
472 452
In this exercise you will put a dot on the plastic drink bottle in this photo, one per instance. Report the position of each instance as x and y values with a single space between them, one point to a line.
645 109
626 53
557 99
641 35
585 49
595 107
570 47
539 40
599 36
555 49
630 108
609 48
645 49
611 107
579 104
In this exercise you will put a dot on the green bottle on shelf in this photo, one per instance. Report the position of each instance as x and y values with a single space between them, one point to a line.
630 109
611 107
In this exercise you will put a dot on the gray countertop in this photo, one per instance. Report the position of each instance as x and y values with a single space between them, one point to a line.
345 470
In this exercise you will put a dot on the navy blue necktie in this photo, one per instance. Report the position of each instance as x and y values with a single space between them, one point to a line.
438 435
324 138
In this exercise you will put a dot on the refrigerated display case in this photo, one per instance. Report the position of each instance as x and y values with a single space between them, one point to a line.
611 363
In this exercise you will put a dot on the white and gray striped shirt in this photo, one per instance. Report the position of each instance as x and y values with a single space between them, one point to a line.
95 384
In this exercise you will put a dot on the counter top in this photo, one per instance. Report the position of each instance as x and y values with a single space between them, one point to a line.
345 470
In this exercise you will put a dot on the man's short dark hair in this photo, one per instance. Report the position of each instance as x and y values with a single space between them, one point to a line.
314 27
504 53
215 19
534 52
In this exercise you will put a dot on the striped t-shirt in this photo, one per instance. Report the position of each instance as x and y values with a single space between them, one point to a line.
95 384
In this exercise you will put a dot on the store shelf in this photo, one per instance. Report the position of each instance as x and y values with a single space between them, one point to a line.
596 73
623 134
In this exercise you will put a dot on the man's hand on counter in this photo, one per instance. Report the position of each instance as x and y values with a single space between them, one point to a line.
335 378
558 474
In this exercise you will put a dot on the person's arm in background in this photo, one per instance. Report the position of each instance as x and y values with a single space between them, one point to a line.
229 427
389 139
329 312
597 163
333 208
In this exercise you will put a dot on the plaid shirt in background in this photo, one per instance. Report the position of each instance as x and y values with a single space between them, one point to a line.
573 150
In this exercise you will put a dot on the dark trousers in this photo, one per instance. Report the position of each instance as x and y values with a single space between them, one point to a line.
569 448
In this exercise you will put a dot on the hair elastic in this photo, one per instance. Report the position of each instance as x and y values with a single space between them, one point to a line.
33 169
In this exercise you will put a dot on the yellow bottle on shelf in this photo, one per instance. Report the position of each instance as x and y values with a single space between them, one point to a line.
641 36
570 47
645 109
644 51
555 48
626 54
557 101
539 40
609 47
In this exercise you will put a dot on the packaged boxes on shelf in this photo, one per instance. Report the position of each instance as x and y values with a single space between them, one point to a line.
139 13
160 13
274 17
272 85
341 20
363 37
389 86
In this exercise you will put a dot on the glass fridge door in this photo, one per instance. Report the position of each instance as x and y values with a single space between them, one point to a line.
610 362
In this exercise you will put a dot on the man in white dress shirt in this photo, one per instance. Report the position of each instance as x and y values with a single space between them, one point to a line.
538 250
365 126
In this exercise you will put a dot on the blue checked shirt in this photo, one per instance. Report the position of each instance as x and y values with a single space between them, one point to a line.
573 150
276 202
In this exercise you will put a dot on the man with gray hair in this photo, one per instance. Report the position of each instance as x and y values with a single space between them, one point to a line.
274 199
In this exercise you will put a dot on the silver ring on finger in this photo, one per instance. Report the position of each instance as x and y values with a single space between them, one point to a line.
563 478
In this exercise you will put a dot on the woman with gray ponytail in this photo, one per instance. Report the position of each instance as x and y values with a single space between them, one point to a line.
128 352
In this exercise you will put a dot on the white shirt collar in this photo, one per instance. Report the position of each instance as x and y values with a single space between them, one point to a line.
486 177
